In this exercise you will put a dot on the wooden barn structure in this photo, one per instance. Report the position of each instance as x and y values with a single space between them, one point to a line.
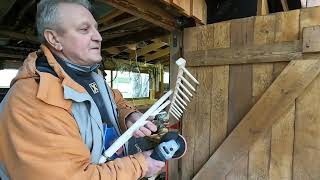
256 113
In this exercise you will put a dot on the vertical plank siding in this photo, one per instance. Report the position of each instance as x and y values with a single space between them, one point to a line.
289 149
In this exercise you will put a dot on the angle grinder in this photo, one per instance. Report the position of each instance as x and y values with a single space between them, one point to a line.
172 146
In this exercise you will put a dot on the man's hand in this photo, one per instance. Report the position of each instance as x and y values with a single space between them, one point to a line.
154 166
146 130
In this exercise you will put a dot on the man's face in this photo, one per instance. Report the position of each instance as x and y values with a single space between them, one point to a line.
79 37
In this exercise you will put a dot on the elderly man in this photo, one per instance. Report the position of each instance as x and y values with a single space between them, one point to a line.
59 115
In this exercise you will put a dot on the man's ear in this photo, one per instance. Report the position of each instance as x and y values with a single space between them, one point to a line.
52 39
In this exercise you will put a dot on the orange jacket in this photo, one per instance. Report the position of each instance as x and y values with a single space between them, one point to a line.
39 138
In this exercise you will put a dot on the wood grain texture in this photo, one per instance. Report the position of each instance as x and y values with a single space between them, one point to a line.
175 53
282 146
219 98
259 154
310 44
199 10
309 17
184 5
240 84
189 120
307 133
285 51
190 40
287 26
206 37
239 172
202 135
275 102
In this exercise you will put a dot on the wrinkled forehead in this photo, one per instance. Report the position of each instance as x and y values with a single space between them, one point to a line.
74 15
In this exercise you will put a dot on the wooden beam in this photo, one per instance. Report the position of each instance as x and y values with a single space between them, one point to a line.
147 49
147 10
114 13
144 35
274 103
112 50
284 51
19 36
285 6
175 52
15 56
158 54
262 8
119 23
310 43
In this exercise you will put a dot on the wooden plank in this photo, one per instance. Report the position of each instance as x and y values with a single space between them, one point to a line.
19 36
202 143
271 106
219 107
199 9
184 5
158 54
175 53
240 84
285 20
309 42
206 37
219 97
308 17
15 56
189 122
222 35
307 133
118 23
240 75
131 38
190 37
151 47
264 33
284 51
282 146
237 173
147 10
262 7
284 4
106 18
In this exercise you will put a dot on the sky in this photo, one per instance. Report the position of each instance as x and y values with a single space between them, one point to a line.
6 75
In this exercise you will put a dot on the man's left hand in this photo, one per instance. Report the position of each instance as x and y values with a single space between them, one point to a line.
146 130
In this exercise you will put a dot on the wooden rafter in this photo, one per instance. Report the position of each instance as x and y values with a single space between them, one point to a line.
158 54
19 36
15 56
114 13
146 49
144 35
112 50
147 10
118 23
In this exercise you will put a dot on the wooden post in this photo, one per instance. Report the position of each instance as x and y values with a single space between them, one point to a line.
175 53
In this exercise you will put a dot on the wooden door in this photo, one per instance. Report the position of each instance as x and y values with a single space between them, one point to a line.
257 111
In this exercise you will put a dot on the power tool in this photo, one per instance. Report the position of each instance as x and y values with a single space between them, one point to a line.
172 146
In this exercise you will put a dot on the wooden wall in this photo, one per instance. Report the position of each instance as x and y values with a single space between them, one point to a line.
287 144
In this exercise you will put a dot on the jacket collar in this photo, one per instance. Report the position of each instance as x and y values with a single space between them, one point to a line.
52 89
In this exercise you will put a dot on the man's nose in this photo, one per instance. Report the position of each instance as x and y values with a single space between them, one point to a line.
96 36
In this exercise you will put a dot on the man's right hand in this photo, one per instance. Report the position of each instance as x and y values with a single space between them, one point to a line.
154 166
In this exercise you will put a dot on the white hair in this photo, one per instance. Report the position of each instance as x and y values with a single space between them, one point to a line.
47 14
